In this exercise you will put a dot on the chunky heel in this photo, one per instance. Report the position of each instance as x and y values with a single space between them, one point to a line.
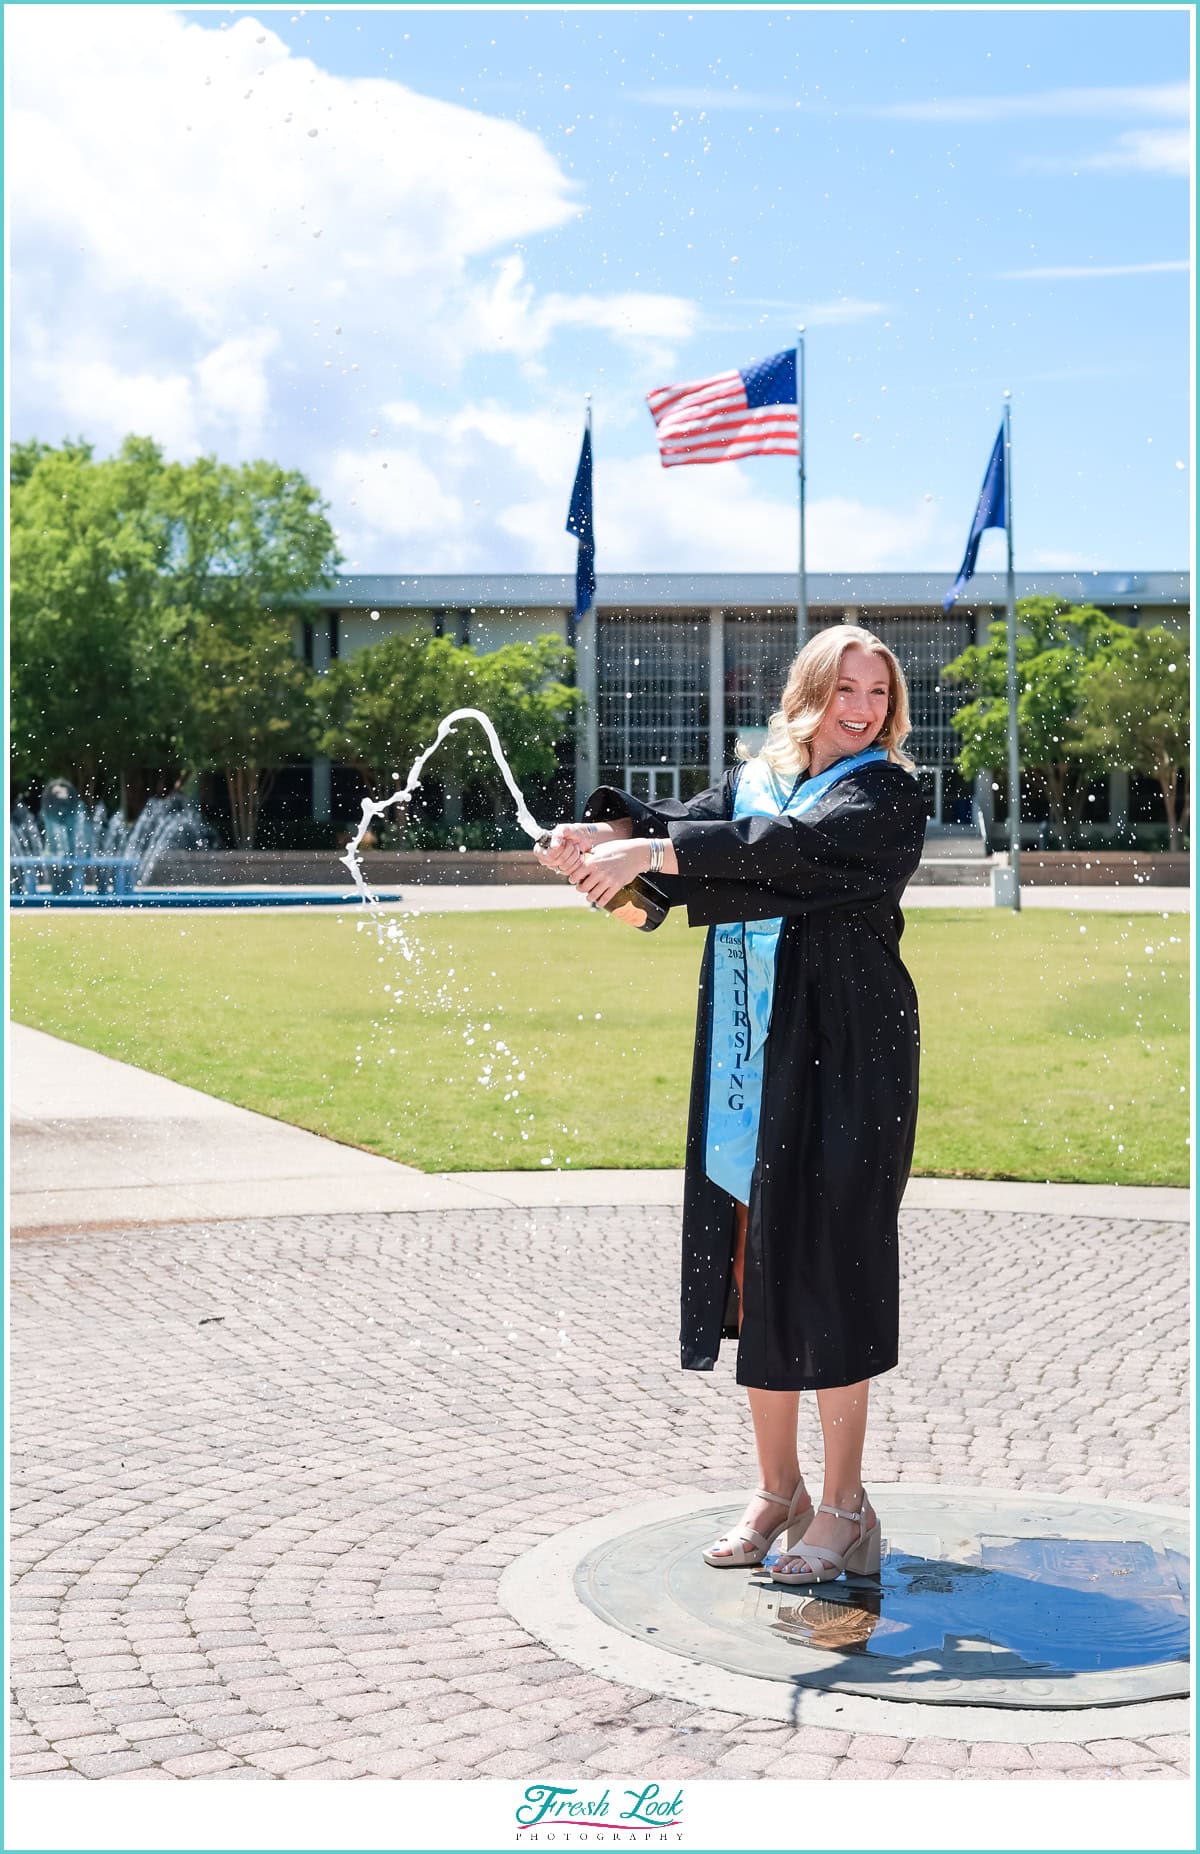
862 1560
821 1564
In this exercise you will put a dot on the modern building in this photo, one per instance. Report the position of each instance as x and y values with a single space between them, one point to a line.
679 665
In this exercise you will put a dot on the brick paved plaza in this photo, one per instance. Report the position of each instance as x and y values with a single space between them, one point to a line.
267 1475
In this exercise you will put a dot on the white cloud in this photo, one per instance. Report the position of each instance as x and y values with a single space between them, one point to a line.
213 169
221 399
507 314
265 248
1078 100
96 396
436 506
1145 151
231 384
717 518
394 502
492 487
1096 270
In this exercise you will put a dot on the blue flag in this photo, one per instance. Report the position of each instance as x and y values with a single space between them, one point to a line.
579 522
989 513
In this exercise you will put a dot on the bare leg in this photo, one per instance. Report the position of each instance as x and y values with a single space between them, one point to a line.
774 1414
843 1430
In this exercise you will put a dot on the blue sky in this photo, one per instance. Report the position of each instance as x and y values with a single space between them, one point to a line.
396 248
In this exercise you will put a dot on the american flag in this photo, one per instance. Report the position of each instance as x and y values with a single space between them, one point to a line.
749 412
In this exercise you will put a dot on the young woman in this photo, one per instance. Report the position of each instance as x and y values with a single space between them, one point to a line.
804 1084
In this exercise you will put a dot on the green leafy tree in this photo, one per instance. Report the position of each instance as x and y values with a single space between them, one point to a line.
376 707
383 705
244 539
87 544
245 543
250 710
27 453
1056 645
154 608
1136 713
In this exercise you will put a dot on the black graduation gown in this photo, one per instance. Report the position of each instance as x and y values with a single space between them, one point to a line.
820 1284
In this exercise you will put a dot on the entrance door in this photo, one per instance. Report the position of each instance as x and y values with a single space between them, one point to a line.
652 782
930 780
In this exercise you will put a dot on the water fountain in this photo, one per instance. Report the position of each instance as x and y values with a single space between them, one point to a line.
76 850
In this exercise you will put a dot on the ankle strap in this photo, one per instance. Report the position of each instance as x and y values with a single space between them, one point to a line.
859 1512
764 1493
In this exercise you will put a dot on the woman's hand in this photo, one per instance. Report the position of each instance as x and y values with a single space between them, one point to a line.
608 867
567 843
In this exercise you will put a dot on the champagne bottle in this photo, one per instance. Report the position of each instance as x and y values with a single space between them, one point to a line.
639 904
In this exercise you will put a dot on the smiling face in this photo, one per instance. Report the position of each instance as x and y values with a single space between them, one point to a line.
857 710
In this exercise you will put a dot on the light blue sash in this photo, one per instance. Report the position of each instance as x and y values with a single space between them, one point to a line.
743 986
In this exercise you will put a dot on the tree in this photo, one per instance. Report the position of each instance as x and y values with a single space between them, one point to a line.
245 544
244 539
250 710
86 548
1135 707
27 453
1056 644
153 613
383 705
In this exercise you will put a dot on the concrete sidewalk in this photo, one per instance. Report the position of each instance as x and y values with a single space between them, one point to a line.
98 1144
480 898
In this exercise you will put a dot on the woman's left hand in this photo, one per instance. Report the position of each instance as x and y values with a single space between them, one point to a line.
609 867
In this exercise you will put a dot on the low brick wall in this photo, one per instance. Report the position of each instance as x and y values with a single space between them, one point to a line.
443 868
382 869
1104 868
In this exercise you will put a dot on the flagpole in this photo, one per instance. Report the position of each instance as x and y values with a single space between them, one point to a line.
802 580
1014 755
587 768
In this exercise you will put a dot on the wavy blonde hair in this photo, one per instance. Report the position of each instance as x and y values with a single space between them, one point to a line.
809 689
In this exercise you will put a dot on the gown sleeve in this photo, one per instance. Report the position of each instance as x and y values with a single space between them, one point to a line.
651 820
865 844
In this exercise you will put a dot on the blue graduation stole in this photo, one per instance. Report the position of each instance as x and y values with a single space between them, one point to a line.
743 985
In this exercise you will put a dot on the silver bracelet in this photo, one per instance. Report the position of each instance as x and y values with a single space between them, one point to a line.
657 851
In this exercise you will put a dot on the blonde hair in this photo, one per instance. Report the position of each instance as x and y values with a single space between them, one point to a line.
812 680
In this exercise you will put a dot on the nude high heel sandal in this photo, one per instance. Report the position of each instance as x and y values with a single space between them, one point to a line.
821 1564
752 1546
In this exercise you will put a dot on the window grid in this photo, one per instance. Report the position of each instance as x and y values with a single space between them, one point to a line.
922 646
652 692
758 655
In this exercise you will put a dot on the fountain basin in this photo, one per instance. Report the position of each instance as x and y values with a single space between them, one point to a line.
67 875
136 899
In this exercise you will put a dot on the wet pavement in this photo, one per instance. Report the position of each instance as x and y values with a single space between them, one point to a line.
985 1600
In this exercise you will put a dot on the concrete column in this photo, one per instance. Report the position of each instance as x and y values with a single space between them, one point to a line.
1118 803
322 770
587 732
716 694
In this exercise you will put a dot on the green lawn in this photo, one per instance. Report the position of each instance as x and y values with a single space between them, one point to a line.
1054 1044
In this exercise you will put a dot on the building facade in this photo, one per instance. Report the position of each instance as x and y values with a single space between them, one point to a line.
677 667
